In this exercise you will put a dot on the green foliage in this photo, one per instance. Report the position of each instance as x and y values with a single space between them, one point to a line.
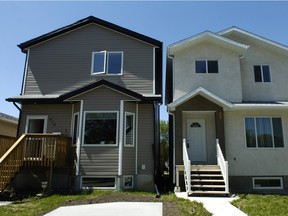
262 205
37 206
164 147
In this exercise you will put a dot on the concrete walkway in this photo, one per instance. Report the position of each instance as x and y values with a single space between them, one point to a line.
218 206
111 209
4 203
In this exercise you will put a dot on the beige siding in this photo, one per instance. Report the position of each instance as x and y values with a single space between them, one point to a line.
59 117
8 128
145 139
69 57
99 161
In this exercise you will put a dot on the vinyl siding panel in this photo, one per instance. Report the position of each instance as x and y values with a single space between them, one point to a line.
59 117
145 139
129 153
68 58
99 161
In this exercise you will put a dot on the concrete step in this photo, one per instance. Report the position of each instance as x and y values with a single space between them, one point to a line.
208 186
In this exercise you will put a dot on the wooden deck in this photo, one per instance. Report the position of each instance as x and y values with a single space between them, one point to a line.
42 150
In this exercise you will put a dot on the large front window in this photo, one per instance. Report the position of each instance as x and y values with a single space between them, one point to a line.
105 62
100 128
264 132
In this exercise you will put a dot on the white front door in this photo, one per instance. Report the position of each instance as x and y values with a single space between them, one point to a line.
196 140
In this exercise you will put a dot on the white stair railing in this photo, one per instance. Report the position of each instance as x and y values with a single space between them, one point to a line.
187 168
223 166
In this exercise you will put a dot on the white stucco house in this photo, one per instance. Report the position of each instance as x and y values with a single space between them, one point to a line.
228 111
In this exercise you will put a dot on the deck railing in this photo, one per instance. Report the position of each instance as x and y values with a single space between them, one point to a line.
44 150
223 166
5 143
187 168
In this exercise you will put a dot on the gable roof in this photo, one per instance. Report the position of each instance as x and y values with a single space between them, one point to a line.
259 39
66 96
86 21
207 36
202 92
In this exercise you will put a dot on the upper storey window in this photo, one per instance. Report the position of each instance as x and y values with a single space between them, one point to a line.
262 73
105 62
206 66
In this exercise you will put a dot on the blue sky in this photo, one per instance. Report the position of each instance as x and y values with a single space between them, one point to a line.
168 22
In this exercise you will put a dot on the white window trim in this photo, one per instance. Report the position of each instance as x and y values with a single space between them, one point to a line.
29 117
206 61
73 128
101 145
81 182
106 61
264 148
267 178
133 135
261 66
128 176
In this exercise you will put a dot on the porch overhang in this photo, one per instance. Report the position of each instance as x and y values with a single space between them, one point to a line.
65 97
204 93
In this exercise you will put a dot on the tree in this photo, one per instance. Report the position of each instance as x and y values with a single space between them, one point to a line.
164 147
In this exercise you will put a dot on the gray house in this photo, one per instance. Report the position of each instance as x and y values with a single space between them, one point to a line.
228 106
100 85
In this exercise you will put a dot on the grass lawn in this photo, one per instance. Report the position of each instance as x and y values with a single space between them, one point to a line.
36 206
258 205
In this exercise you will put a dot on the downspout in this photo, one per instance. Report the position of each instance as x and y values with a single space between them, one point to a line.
20 116
157 177
172 147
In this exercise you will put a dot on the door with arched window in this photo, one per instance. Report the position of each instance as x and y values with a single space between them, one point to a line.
196 140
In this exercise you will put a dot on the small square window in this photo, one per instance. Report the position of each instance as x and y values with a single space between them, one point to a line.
128 182
262 73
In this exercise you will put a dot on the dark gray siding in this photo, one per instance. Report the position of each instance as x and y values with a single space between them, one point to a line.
145 138
99 161
64 63
129 153
59 117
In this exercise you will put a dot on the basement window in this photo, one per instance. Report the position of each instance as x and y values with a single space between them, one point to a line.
99 182
267 183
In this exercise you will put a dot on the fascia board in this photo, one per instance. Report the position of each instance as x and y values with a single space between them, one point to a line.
268 42
207 36
204 93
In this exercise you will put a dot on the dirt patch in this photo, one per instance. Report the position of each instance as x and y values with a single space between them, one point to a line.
169 208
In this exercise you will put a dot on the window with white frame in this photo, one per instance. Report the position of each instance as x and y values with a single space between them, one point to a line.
100 128
99 182
129 129
75 130
264 132
262 73
107 62
206 66
267 183
128 182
